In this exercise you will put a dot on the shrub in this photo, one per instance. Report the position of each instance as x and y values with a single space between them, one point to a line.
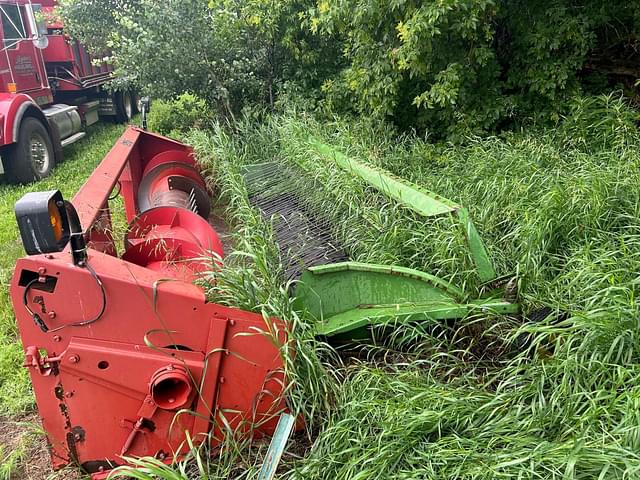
171 117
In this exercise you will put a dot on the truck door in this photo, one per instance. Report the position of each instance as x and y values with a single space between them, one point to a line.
26 69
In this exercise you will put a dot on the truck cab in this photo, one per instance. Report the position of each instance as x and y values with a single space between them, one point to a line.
51 89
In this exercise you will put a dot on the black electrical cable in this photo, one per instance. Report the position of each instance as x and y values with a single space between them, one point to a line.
36 318
115 195
41 323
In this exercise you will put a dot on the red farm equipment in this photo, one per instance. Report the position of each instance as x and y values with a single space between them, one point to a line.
51 89
126 356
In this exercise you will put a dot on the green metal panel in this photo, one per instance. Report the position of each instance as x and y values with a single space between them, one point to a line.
365 316
420 200
486 272
347 297
327 290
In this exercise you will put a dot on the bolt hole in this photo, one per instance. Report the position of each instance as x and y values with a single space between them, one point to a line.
103 365
195 308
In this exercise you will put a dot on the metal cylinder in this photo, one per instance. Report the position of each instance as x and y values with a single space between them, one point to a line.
66 118
171 234
173 176
170 387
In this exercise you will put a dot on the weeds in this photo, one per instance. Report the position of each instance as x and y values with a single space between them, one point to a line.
559 207
482 398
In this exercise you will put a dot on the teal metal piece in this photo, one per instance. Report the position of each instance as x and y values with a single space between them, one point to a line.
350 296
277 446
419 200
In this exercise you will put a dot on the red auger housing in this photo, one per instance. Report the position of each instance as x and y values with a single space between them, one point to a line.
126 356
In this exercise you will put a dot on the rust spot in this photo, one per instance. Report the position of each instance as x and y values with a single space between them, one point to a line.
40 301
74 436
78 434
71 446
59 392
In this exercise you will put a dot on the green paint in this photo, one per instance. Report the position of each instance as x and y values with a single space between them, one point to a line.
483 263
419 200
358 318
346 297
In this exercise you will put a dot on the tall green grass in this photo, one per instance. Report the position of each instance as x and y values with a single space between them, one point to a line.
557 398
560 208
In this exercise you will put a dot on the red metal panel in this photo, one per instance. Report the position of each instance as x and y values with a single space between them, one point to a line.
141 308
59 49
12 107
157 348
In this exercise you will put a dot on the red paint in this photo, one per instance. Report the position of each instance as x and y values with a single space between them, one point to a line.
12 107
174 241
62 72
119 384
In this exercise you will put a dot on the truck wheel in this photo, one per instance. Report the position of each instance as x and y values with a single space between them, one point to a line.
124 106
32 157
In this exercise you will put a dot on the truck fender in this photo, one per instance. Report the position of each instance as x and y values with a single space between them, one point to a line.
14 107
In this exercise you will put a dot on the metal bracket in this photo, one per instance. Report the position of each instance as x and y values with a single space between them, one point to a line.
45 366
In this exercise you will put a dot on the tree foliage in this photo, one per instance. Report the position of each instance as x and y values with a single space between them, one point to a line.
446 67
466 66
226 51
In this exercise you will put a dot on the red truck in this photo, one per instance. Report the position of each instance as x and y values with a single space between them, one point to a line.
51 89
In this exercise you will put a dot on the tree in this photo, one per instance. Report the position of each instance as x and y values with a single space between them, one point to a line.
455 67
225 51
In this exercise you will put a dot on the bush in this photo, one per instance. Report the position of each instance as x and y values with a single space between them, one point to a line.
470 67
175 117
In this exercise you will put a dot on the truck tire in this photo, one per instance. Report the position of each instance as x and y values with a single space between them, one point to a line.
32 157
124 106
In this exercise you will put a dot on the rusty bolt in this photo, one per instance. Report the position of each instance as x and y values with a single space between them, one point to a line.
57 338
52 314
74 358
68 394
